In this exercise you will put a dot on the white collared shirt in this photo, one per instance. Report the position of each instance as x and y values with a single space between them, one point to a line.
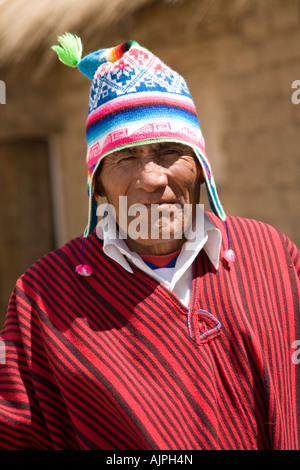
179 278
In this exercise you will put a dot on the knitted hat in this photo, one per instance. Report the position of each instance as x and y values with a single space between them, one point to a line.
134 99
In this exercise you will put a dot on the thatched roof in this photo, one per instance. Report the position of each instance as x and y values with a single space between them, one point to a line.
31 26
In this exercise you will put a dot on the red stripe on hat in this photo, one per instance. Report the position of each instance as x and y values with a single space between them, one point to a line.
127 102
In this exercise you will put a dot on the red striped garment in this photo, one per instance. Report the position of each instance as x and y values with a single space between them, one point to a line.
116 361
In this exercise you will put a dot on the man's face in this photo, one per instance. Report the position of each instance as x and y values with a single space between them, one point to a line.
166 175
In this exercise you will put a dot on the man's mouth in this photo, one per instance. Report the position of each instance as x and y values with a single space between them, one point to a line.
160 204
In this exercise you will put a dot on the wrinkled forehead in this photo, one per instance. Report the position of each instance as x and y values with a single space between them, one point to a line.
156 147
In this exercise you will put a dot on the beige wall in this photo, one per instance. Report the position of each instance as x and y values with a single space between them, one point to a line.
241 80
239 65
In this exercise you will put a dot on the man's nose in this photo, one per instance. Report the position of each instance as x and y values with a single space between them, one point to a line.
151 177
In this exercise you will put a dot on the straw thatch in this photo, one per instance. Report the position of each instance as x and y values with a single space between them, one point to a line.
26 25
30 26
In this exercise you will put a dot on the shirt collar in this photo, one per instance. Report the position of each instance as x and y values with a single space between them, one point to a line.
116 248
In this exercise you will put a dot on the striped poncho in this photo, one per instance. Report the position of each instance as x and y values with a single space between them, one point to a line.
116 361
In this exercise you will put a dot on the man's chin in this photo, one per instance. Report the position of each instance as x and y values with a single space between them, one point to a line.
159 246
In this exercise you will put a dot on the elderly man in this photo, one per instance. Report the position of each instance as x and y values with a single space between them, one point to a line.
176 332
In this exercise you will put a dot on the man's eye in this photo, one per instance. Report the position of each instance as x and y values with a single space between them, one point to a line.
127 158
171 152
